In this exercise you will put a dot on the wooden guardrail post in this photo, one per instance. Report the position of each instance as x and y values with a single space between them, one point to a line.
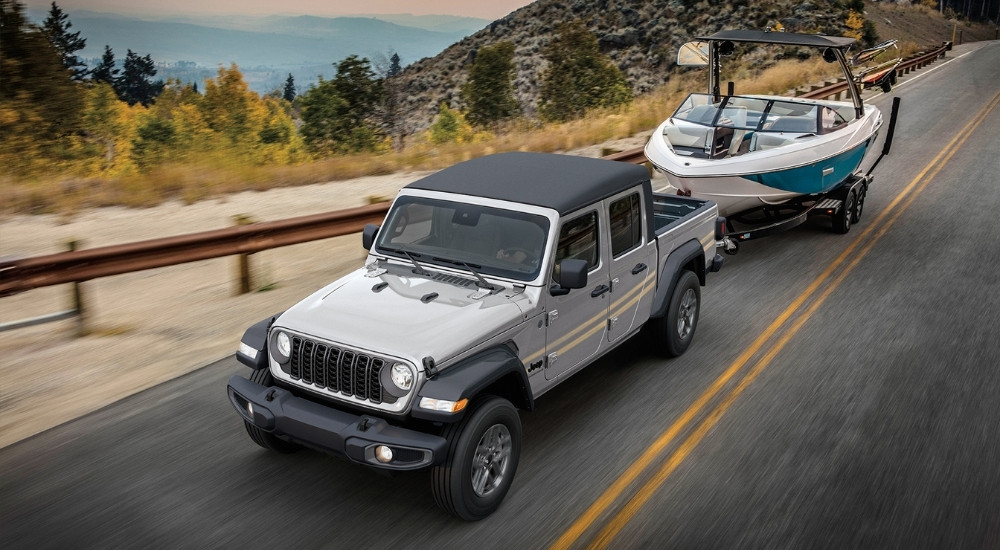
242 260
76 298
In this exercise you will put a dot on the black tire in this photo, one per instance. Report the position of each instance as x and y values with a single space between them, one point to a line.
859 205
675 330
483 451
842 219
267 440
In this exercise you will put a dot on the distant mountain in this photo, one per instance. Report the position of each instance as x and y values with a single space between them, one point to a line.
266 49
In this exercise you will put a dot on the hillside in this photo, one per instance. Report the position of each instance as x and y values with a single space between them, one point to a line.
642 38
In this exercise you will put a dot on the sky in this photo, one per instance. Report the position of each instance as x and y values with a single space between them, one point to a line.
491 9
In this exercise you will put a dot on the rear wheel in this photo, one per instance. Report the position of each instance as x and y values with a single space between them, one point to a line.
860 204
842 219
675 330
267 440
483 451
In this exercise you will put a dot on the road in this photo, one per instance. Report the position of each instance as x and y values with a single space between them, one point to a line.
840 393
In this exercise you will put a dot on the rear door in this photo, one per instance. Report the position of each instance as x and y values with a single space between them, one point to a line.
632 263
577 321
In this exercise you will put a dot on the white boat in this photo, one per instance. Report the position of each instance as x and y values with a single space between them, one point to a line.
747 151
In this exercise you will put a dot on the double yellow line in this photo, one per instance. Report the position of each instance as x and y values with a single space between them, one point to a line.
816 293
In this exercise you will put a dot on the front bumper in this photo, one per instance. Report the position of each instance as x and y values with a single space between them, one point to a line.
278 411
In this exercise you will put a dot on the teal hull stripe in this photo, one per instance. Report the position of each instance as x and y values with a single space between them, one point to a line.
808 180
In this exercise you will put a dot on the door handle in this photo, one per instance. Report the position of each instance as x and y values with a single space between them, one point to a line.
600 290
639 268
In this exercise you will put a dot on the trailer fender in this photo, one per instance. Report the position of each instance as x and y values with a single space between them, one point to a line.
670 271
253 346
496 371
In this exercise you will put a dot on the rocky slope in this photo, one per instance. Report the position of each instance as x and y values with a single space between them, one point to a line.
641 37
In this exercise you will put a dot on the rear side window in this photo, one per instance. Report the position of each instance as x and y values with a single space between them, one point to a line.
578 239
626 226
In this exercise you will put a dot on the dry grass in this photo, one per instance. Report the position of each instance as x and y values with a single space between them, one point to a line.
212 178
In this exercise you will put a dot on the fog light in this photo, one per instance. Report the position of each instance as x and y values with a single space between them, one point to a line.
250 409
383 454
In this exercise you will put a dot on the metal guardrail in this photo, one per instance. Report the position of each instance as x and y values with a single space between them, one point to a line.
82 265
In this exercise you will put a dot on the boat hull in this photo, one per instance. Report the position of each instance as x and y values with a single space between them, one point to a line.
805 165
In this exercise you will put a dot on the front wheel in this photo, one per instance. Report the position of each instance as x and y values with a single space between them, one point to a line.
675 330
483 451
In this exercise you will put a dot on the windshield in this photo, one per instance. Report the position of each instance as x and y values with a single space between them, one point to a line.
762 115
492 241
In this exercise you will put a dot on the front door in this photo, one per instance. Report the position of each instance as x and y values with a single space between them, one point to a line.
577 321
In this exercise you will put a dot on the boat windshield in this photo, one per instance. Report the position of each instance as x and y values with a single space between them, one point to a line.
762 114
492 241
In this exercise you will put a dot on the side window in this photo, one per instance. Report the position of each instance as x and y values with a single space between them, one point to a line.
626 224
578 239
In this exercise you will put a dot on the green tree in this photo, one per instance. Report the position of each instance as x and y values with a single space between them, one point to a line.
449 127
153 142
579 77
394 67
340 115
39 103
489 92
289 92
105 71
134 85
56 27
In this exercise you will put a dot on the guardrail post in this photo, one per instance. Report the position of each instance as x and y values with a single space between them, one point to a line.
76 296
242 260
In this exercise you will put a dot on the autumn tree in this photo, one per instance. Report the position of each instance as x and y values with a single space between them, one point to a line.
579 77
39 103
489 92
106 120
57 28
250 126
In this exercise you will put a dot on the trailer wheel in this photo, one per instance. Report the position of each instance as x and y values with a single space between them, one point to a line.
860 204
483 451
842 219
267 440
674 331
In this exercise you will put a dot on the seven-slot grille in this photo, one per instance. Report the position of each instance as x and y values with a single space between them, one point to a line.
338 370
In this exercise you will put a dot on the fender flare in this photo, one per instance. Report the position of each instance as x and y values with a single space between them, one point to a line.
470 377
670 271
253 345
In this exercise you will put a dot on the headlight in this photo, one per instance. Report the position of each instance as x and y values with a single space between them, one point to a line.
281 347
397 379
402 377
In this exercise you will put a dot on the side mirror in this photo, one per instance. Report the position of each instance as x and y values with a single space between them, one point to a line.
572 274
368 235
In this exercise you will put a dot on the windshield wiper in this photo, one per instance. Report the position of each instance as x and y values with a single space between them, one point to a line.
483 283
412 256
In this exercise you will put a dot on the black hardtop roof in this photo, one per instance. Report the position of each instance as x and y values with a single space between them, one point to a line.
562 182
786 38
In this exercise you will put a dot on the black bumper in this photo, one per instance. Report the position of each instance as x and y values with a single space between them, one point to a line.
278 411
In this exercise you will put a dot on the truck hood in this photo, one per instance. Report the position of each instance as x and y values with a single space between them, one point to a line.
397 313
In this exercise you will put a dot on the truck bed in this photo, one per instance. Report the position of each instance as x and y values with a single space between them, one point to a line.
671 209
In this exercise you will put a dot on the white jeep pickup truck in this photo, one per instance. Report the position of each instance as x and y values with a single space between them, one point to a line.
488 284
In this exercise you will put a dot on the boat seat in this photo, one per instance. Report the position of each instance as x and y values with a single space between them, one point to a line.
686 134
794 125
